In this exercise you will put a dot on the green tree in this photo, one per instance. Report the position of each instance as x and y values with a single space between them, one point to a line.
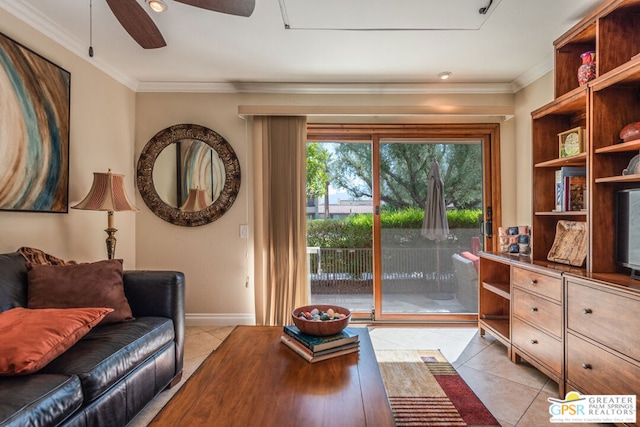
317 170
404 173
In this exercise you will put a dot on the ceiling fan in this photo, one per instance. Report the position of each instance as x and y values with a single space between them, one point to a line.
144 31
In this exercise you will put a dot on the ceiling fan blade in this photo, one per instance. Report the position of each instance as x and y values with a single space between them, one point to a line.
138 24
231 7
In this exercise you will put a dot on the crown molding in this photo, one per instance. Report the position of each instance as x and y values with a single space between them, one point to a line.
533 73
329 88
375 88
188 87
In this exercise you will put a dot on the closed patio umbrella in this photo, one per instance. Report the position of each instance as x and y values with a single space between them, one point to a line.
435 225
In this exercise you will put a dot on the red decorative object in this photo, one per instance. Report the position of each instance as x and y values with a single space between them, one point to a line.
587 71
630 132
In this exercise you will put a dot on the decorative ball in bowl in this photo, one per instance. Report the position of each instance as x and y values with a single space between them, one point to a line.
321 320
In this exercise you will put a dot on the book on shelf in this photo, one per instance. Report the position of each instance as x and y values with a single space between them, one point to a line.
575 193
559 184
316 344
562 186
313 357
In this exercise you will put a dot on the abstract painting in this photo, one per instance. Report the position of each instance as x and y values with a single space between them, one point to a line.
34 131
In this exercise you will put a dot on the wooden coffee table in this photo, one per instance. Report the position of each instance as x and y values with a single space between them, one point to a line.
253 379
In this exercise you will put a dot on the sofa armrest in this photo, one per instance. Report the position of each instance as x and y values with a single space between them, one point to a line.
159 293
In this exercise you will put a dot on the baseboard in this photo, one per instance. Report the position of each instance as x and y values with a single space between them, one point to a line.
224 319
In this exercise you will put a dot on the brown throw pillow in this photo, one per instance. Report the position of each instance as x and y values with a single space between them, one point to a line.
97 284
30 339
38 256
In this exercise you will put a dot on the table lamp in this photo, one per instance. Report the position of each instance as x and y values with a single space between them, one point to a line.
107 193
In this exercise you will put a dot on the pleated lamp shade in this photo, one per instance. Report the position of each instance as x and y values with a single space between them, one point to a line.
107 193
196 201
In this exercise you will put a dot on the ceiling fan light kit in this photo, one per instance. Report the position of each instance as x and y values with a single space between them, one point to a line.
157 5
144 31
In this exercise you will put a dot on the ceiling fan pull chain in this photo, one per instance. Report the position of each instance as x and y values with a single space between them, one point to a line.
91 28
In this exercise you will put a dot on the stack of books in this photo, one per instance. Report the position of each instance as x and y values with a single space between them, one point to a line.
315 349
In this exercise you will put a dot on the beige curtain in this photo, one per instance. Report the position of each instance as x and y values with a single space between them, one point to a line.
280 217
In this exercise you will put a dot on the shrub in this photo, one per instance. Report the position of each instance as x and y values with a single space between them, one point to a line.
355 231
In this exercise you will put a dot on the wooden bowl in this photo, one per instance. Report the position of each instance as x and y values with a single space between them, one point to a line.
321 328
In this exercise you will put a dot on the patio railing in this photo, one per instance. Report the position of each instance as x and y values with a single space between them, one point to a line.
350 271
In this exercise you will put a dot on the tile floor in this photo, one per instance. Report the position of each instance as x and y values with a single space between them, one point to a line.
515 394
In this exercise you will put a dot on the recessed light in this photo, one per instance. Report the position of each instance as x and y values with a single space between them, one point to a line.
157 5
444 75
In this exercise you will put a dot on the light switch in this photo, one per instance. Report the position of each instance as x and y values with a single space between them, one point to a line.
244 231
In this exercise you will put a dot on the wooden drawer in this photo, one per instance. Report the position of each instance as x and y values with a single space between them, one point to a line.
609 318
538 311
596 371
548 286
543 347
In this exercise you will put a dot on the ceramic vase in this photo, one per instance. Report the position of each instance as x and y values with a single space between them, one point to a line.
587 70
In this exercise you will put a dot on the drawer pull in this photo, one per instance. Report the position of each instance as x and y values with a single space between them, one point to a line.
534 281
586 365
534 341
534 309
587 311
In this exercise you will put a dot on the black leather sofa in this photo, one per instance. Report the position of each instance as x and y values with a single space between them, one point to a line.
108 376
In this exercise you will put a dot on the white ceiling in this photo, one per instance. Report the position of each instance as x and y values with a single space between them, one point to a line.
392 45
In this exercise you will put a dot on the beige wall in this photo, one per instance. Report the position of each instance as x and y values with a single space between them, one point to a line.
213 257
101 137
528 99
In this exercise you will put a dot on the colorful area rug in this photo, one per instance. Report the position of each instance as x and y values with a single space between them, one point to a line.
425 390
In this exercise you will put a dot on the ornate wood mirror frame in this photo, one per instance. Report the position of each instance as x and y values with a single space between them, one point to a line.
174 215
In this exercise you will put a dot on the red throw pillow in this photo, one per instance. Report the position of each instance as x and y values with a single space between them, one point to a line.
471 257
30 339
97 284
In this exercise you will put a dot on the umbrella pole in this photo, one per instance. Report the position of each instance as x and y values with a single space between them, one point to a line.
439 295
438 262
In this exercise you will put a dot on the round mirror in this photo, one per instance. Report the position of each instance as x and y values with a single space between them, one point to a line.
188 175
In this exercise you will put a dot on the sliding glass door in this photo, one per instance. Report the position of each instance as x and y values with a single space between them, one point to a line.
430 204
340 225
370 248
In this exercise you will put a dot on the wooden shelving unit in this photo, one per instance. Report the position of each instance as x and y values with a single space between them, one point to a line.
577 160
494 309
567 111
563 214
621 147
603 107
557 317
619 178
614 104
501 289
499 329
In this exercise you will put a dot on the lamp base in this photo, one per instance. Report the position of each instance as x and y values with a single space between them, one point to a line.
111 242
